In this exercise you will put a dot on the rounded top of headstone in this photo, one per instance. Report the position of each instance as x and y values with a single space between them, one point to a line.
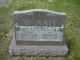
39 10
39 17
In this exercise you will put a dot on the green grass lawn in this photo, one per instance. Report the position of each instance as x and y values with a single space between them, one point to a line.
72 28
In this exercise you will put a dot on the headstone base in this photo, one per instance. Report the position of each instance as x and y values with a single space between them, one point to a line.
37 50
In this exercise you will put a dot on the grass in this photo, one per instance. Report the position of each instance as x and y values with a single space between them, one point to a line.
72 28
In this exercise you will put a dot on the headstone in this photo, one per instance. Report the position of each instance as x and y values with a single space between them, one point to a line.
38 32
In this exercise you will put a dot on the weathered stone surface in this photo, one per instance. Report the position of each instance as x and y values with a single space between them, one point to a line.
38 32
36 50
39 17
39 25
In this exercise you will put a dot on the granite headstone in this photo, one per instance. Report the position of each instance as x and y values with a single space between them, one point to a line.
38 32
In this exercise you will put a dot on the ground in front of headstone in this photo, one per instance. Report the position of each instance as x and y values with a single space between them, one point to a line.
37 58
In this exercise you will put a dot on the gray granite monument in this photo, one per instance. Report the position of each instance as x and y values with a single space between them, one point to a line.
38 32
